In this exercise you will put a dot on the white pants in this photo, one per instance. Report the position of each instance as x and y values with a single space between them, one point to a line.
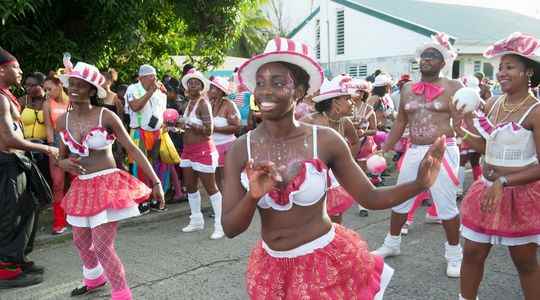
443 191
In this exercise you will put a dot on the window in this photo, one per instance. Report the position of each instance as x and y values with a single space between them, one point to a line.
477 66
340 32
318 39
357 71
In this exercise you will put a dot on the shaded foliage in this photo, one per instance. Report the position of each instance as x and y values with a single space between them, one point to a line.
121 33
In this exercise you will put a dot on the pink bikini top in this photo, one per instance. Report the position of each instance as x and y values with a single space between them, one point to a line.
305 189
507 144
97 138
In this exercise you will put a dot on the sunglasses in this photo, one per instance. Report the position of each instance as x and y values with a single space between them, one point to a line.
431 55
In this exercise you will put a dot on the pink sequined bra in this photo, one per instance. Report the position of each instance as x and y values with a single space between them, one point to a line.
507 144
305 189
97 138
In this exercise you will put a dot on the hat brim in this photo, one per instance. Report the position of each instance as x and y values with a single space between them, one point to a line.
323 97
205 82
248 70
221 88
64 78
535 58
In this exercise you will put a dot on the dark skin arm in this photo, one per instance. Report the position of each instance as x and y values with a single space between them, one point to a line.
351 136
399 125
48 123
13 141
138 103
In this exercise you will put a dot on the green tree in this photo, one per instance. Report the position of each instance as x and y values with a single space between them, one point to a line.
257 30
121 33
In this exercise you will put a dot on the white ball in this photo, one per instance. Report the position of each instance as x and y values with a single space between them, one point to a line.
468 99
376 164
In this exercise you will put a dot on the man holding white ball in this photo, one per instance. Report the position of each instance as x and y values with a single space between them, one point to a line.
426 108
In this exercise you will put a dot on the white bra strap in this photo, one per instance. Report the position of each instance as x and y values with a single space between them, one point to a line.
494 105
315 154
100 116
248 144
527 112
67 119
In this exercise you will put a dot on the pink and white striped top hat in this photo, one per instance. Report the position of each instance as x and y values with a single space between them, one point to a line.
88 73
193 73
221 83
338 86
517 43
283 50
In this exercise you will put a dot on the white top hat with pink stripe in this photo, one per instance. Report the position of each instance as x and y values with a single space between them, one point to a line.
193 73
88 73
221 83
283 50
338 86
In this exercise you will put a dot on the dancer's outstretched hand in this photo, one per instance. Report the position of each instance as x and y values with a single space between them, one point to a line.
431 163
492 197
72 165
262 177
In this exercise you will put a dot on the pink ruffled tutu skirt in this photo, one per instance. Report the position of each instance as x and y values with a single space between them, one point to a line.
108 189
342 269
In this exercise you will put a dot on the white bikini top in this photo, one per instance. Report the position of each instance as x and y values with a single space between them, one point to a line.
507 144
191 116
97 138
305 189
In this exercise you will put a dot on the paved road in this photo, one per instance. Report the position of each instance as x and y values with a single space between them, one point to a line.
163 263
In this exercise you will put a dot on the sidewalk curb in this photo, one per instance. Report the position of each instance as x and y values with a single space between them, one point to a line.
176 210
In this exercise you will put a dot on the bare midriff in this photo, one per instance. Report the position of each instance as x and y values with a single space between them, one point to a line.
98 160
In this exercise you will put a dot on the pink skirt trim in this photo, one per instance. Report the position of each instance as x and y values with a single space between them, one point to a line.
338 201
88 194
199 153
343 269
222 150
516 215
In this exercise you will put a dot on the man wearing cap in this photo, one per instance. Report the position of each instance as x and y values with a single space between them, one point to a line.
22 186
426 108
147 102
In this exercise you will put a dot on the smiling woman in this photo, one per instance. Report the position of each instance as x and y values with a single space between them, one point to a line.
282 170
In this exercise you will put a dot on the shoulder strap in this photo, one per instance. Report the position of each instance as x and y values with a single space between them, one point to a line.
67 119
494 105
248 144
100 116
527 112
315 152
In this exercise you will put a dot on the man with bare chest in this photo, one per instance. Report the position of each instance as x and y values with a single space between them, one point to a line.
22 186
425 108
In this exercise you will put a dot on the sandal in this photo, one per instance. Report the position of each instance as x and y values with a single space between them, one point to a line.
84 290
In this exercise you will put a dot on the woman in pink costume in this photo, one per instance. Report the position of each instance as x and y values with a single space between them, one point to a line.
100 195
503 207
282 169
333 106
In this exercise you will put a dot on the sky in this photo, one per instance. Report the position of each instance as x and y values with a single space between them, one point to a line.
527 7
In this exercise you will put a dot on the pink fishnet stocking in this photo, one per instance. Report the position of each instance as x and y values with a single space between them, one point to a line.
82 238
103 240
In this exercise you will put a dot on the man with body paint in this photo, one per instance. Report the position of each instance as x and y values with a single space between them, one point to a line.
426 108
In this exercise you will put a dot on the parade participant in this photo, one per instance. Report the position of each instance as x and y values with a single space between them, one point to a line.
284 169
100 195
226 121
381 101
425 108
485 88
502 207
200 156
22 186
111 101
33 120
365 122
146 102
333 105
56 104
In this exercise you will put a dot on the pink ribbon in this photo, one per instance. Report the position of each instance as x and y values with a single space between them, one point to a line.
429 90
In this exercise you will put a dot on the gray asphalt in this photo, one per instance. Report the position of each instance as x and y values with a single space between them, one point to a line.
163 263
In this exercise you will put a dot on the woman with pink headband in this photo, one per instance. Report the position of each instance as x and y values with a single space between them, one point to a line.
503 207
281 169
